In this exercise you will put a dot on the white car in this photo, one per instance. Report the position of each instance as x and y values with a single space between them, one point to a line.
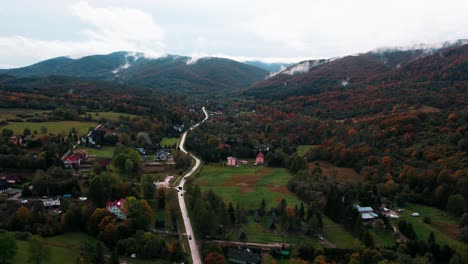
24 201
415 214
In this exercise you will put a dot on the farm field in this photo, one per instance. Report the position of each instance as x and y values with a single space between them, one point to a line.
63 249
111 116
338 174
247 186
55 128
445 227
19 113
169 141
337 234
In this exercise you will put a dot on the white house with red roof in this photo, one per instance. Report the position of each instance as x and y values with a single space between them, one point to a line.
116 207
72 161
260 158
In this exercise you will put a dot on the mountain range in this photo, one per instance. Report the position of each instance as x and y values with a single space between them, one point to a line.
259 79
170 72
315 76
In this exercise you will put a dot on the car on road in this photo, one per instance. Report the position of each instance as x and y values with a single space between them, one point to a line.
181 194
190 237
24 201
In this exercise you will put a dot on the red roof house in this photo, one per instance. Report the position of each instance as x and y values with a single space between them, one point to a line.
117 208
71 161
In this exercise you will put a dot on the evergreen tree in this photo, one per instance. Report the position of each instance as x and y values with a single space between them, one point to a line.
96 191
148 187
232 214
261 209
301 212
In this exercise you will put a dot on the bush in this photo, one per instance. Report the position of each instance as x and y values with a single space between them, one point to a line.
25 236
427 220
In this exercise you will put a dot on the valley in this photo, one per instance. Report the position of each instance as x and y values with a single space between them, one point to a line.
357 159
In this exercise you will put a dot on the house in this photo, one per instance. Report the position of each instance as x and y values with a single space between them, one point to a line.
72 161
17 140
231 161
117 208
242 256
13 179
51 202
179 129
141 151
88 140
264 147
162 154
260 159
367 213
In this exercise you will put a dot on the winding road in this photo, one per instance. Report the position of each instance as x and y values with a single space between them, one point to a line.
188 226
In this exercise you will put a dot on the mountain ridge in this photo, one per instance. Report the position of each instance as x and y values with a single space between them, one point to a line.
166 72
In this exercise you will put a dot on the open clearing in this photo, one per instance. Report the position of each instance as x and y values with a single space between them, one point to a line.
445 227
62 127
63 248
110 116
169 141
303 149
337 234
247 186
19 113
103 152
339 174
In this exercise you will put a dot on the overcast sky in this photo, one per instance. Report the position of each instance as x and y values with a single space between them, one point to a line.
284 31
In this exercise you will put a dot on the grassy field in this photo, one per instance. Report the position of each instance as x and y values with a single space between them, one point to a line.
55 128
445 228
19 113
339 174
337 234
383 237
104 152
169 141
111 116
258 233
63 249
247 186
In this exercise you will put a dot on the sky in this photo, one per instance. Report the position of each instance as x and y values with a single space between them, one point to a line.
270 31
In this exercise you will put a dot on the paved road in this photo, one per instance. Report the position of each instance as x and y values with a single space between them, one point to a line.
188 226
77 143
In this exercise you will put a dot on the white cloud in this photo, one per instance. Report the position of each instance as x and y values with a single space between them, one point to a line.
108 29
337 27
266 30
